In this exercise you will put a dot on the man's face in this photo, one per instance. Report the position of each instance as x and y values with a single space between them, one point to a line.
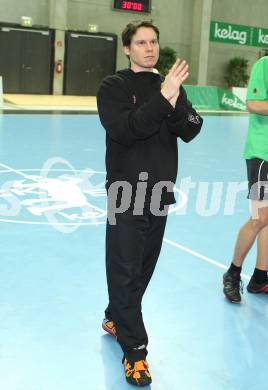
143 50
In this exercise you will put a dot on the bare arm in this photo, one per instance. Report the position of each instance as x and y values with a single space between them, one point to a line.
258 106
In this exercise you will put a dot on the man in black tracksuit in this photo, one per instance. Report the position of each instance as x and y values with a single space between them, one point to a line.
143 115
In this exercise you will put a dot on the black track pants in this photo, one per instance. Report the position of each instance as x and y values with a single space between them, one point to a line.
132 249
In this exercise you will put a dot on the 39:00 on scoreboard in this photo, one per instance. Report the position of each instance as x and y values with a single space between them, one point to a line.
138 6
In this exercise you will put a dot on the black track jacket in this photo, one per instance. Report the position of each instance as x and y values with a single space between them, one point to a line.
142 128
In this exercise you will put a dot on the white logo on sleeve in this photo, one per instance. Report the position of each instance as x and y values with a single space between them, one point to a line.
194 119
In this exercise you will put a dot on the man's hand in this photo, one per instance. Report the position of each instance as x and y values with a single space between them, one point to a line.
177 74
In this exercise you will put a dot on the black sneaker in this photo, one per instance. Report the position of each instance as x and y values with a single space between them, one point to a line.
232 286
257 288
137 373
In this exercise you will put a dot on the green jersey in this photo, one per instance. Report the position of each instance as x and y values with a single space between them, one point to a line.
257 138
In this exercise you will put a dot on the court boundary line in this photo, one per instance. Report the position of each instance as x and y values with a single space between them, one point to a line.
200 256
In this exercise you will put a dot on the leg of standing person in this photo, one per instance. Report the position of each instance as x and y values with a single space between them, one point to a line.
133 247
151 253
125 243
259 280
254 227
152 249
257 171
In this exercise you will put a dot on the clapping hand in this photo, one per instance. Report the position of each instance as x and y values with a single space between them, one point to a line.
177 74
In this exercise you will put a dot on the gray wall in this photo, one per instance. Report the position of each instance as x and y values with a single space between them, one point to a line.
12 10
177 35
246 12
176 19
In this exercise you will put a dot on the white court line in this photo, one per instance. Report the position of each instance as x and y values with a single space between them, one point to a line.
200 256
14 170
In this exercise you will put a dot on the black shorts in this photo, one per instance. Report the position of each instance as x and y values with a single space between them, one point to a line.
257 179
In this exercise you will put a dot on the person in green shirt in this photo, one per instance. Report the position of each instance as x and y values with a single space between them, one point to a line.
256 155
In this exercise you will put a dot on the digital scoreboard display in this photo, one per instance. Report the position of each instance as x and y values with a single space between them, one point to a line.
136 6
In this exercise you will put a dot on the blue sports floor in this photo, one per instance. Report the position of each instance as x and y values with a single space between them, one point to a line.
52 275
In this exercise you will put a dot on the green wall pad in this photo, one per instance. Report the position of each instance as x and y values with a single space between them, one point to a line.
214 98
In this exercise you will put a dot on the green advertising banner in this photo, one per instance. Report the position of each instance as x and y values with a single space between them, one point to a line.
229 101
260 37
213 98
237 34
230 33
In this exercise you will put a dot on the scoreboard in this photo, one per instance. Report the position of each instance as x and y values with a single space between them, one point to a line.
136 6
